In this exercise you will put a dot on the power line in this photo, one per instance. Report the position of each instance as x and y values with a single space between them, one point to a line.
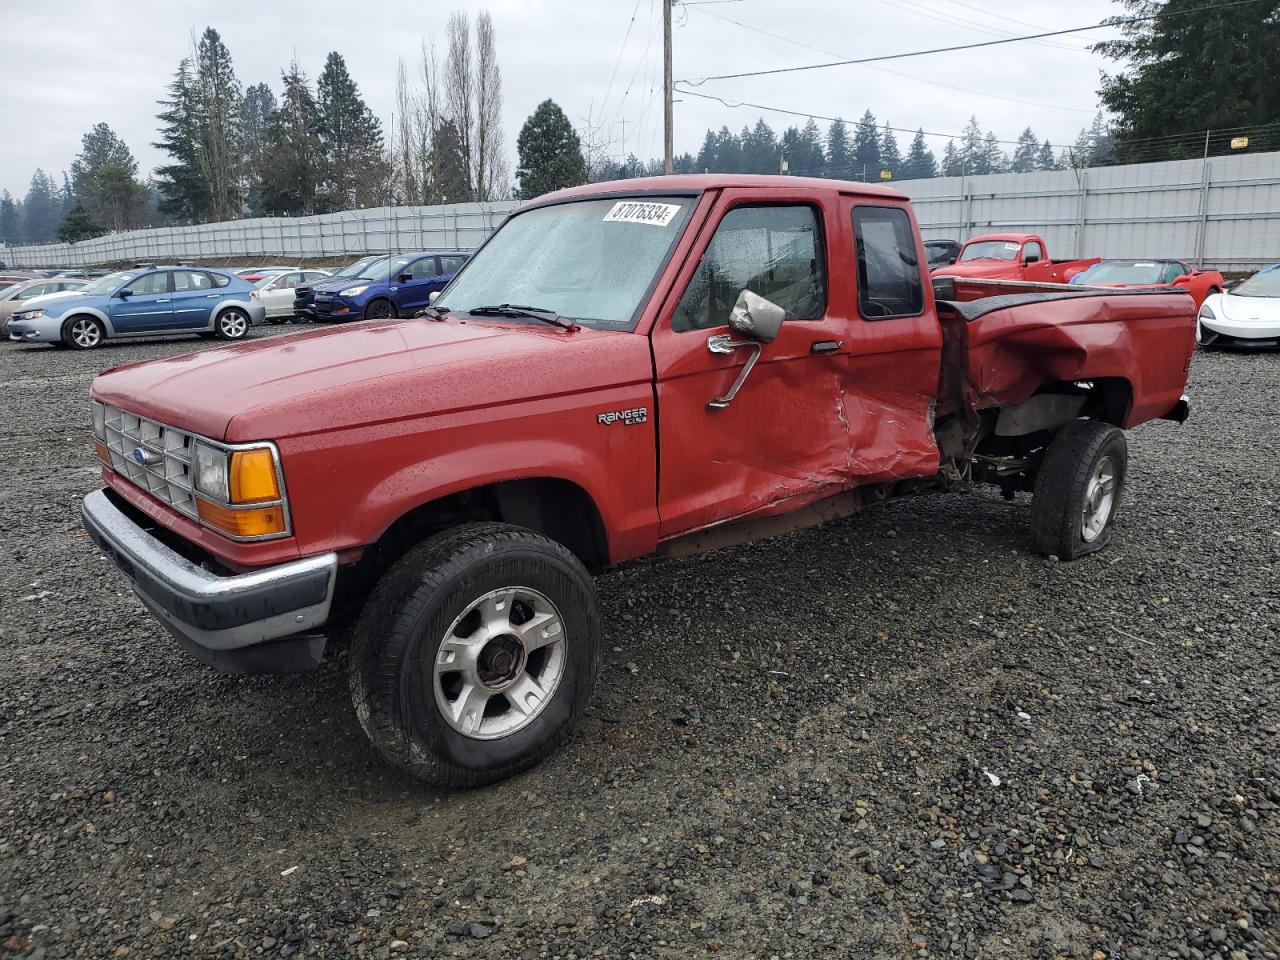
621 50
896 73
1111 22
920 10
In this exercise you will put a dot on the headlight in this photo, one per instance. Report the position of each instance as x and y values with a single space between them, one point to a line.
353 291
99 414
212 472
1206 313
239 491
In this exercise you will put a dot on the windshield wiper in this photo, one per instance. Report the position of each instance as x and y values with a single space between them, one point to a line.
520 310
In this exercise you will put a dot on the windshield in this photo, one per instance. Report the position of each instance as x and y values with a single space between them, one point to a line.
1127 271
384 268
1264 283
990 250
591 261
355 269
108 283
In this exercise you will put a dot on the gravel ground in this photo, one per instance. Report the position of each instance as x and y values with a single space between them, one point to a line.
897 736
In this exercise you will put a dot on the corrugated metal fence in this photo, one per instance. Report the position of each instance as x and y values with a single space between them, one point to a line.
1223 213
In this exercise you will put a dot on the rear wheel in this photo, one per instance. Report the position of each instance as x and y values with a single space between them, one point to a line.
1078 488
475 655
83 332
231 324
380 309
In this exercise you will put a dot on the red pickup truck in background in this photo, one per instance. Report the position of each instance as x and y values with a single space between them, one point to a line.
645 368
1011 256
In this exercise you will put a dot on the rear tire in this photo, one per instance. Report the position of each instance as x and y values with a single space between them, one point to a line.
1078 489
468 624
231 324
83 332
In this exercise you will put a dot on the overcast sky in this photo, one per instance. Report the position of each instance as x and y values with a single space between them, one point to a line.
90 61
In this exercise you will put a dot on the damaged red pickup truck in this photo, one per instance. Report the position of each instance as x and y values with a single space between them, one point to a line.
624 370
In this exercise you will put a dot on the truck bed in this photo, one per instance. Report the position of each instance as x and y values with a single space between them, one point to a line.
999 348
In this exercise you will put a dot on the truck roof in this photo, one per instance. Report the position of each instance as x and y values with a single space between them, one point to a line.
697 182
1010 237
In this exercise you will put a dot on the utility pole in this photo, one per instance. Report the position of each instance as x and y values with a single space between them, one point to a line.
666 86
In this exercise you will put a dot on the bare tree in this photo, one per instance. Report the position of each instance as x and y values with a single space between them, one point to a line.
429 119
489 165
405 161
459 87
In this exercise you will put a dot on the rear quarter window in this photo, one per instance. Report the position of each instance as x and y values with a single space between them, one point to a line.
220 279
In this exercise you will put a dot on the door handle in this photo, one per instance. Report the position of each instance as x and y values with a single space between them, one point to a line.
723 343
826 346
162 300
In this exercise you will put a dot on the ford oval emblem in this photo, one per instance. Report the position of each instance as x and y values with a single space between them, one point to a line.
142 456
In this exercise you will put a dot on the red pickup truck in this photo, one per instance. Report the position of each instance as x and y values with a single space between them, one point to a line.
648 368
1011 256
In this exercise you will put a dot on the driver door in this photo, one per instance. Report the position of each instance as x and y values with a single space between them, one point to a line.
146 304
782 441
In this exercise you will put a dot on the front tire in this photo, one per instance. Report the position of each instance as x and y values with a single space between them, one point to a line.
231 324
1078 489
83 332
380 309
475 654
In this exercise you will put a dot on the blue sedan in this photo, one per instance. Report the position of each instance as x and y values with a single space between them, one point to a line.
158 301
396 286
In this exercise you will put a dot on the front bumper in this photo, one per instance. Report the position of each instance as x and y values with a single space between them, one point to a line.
251 623
1222 332
36 330
337 308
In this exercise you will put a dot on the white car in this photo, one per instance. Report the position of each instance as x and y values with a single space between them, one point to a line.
1247 316
276 293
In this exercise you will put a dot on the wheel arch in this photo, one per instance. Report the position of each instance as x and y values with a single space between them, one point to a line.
94 312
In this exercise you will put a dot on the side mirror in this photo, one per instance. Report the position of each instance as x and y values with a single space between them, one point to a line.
755 317
1185 278
432 297
1031 258
124 294
405 277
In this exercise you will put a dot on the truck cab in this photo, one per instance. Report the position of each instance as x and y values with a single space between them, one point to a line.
643 369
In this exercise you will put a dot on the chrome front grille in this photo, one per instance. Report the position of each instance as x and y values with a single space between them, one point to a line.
152 455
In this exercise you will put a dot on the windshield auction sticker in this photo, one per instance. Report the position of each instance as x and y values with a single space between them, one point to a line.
637 211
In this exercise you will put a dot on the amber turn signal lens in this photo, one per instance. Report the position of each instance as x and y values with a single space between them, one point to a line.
256 522
102 453
253 477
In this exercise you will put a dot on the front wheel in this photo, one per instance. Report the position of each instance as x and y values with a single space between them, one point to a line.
83 333
1078 488
379 309
232 324
475 654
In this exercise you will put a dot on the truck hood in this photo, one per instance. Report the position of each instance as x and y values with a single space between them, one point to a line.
978 269
367 373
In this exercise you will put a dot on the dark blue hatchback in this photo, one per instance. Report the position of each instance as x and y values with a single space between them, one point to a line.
395 286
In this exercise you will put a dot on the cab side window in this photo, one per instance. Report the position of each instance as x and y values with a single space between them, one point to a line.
889 282
151 283
773 251
1032 251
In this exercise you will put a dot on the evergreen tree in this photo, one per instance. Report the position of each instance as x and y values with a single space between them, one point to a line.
866 149
839 161
259 105
890 156
292 166
706 160
1026 156
811 153
1102 142
1202 63
41 209
952 162
993 158
759 149
68 194
79 225
351 138
218 112
184 193
728 153
1045 159
920 163
684 163
10 230
550 152
450 163
972 149
104 181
